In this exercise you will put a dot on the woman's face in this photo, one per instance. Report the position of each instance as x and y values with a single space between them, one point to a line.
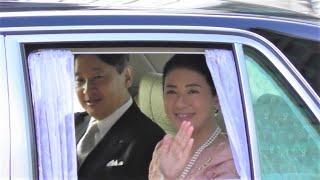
188 97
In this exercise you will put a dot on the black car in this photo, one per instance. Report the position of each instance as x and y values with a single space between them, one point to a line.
276 61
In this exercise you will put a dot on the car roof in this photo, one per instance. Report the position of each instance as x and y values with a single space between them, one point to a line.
302 10
230 14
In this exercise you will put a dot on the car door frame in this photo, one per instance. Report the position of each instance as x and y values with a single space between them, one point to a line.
5 143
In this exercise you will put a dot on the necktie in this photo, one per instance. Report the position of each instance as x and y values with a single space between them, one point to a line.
88 141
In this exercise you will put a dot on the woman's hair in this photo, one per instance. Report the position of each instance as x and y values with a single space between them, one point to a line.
193 62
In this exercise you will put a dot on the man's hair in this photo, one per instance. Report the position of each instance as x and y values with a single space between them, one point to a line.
193 62
119 61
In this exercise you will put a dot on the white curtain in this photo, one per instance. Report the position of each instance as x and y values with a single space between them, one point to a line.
221 64
51 76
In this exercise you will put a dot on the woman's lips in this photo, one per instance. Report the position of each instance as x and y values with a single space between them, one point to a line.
184 116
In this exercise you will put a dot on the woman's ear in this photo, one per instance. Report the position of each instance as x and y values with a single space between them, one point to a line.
128 76
216 103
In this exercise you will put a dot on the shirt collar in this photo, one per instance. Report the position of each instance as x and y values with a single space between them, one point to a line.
105 124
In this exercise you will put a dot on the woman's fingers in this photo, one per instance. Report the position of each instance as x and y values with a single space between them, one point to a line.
184 131
166 143
187 135
175 151
188 148
181 130
183 136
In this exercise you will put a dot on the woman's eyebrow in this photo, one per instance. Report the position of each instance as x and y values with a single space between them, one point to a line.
193 85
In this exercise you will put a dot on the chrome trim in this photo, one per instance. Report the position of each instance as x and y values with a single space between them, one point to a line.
245 89
129 12
5 116
126 13
20 120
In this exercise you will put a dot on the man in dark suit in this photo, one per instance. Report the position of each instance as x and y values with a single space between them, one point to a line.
115 140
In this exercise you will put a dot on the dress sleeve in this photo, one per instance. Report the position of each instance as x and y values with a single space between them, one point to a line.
154 172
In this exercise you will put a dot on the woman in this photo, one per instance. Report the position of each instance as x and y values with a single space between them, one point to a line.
198 150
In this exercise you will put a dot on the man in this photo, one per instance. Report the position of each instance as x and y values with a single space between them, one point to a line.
115 140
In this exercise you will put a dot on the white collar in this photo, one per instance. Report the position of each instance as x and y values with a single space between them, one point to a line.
105 124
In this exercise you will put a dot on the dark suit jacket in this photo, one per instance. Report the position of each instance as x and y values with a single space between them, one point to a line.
131 139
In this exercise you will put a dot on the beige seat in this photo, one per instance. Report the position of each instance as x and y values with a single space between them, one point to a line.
150 101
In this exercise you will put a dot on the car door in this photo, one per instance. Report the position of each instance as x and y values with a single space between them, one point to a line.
113 39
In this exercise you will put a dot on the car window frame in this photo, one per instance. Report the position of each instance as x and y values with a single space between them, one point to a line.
189 34
5 116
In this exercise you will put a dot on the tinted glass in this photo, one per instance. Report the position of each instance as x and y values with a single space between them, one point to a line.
304 54
287 132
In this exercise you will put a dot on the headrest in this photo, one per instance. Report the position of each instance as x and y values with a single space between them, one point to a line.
150 101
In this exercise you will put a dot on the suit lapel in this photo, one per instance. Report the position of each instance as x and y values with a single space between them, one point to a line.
118 136
114 143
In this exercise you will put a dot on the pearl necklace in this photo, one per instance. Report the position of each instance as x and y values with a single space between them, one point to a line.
196 155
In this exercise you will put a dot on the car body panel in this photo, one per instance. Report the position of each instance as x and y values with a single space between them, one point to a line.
20 113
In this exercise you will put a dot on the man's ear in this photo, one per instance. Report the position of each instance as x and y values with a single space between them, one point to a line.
128 75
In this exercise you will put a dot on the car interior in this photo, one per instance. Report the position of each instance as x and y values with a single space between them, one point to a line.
147 90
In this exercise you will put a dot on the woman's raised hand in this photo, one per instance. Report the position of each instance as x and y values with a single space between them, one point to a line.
175 151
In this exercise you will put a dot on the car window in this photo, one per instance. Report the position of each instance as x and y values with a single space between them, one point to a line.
146 91
287 132
303 54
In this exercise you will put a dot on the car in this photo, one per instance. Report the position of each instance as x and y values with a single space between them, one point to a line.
273 76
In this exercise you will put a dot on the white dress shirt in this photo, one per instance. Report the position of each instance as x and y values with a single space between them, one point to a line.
104 126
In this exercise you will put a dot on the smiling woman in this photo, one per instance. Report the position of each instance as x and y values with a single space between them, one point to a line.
199 149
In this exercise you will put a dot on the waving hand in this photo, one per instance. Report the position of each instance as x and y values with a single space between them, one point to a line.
175 151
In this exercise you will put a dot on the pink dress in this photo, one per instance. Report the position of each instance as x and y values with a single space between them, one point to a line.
215 162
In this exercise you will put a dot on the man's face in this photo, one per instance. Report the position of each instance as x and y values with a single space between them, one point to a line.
100 88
